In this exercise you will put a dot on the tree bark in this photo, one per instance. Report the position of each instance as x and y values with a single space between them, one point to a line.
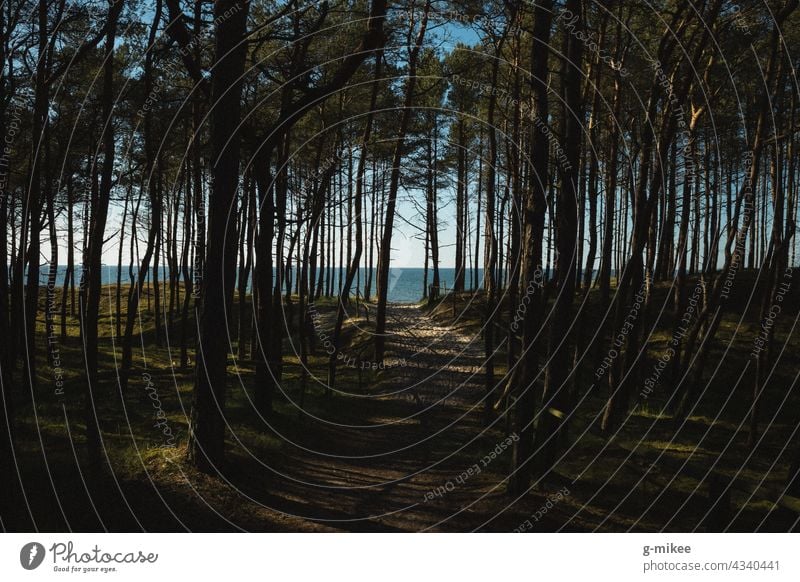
555 413
207 425
533 216
91 278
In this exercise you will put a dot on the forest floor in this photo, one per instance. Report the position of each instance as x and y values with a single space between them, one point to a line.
406 453
404 447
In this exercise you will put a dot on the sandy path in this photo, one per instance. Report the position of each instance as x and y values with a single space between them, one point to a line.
418 457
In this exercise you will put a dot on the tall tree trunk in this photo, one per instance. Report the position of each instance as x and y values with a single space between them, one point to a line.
461 189
715 306
7 480
524 408
32 209
263 281
248 226
385 254
157 270
475 261
634 284
91 284
357 225
555 398
69 273
594 160
151 169
121 250
490 242
778 279
432 224
207 425
188 288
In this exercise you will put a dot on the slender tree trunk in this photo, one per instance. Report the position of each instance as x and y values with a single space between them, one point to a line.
151 168
248 226
385 255
118 290
91 284
357 226
8 483
432 224
475 261
490 246
555 399
32 209
524 408
714 307
461 188
188 288
69 274
157 255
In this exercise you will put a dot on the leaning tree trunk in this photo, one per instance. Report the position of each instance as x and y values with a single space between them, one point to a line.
711 315
359 243
268 372
385 254
151 167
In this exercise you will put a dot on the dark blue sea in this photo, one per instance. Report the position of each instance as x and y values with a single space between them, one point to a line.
405 283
